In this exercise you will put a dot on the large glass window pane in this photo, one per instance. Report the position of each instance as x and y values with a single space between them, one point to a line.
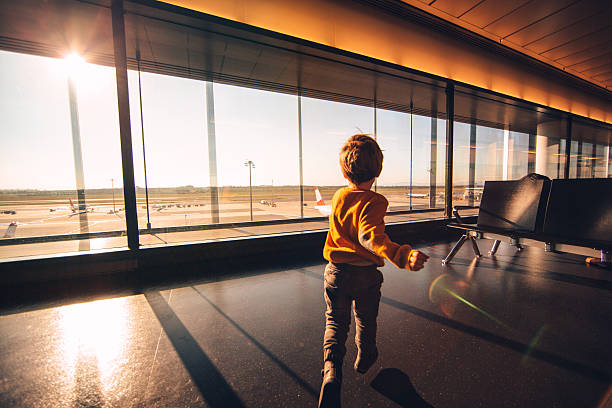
62 155
326 126
175 151
257 154
497 138
414 152
590 150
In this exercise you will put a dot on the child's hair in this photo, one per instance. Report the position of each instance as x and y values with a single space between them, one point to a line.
360 159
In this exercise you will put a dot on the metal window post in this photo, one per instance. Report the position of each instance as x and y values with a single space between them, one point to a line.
433 160
212 151
78 163
300 159
123 105
450 113
531 154
472 169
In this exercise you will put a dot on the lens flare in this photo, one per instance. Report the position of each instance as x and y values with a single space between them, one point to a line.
438 293
478 309
448 293
534 341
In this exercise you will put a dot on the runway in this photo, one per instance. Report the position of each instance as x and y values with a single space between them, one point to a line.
34 218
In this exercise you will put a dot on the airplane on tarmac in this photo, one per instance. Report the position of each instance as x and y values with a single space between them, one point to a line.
10 231
72 208
326 209
323 208
417 195
76 210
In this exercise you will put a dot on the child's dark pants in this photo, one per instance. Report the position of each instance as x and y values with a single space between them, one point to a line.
345 284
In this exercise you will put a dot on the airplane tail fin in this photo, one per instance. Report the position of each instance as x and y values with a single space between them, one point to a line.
10 231
319 197
72 205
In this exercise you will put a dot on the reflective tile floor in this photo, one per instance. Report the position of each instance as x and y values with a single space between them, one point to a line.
523 329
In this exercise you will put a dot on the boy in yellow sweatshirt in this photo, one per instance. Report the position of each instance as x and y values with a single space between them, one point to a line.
355 246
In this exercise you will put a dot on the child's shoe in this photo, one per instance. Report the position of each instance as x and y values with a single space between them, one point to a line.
330 388
364 361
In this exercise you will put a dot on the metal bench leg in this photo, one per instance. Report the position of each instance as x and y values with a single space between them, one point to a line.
495 247
456 248
605 261
475 246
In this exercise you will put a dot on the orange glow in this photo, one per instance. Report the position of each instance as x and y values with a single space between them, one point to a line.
95 331
74 64
364 30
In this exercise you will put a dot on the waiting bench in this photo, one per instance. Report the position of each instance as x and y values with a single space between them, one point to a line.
564 215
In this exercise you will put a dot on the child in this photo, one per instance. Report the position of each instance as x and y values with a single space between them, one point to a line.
355 246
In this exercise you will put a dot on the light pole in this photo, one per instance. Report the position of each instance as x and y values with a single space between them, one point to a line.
250 165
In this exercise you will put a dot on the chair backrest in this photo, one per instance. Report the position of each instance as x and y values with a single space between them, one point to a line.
580 210
514 205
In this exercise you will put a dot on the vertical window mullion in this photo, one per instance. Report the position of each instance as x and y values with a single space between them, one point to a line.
123 105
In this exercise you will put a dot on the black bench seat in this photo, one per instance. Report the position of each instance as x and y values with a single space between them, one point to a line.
572 216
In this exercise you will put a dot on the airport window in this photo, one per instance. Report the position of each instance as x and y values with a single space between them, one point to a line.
174 136
257 154
414 156
236 133
590 150
325 127
497 138
63 156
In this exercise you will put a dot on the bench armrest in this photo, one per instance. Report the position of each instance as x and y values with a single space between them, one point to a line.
456 209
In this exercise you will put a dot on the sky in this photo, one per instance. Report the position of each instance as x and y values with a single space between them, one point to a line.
250 124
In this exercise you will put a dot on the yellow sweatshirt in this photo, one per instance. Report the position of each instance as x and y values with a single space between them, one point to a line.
357 231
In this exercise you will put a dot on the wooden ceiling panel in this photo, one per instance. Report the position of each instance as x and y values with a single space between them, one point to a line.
455 8
571 35
599 69
557 21
491 10
599 37
587 57
579 29
606 76
525 15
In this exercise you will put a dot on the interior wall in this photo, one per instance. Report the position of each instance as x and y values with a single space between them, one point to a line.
358 28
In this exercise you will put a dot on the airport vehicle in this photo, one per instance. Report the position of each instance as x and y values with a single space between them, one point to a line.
10 231
268 202
473 193
11 212
323 208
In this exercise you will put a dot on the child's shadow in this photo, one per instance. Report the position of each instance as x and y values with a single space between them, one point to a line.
395 385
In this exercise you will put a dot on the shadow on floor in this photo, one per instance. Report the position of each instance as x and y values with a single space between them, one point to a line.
213 387
300 381
394 384
578 367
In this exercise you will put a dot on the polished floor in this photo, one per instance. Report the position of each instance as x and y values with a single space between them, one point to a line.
523 329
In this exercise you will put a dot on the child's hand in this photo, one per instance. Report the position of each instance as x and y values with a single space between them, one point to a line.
417 260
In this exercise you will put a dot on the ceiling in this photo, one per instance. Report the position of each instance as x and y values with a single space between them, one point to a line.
572 35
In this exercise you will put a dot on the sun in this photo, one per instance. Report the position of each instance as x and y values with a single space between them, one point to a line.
75 65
